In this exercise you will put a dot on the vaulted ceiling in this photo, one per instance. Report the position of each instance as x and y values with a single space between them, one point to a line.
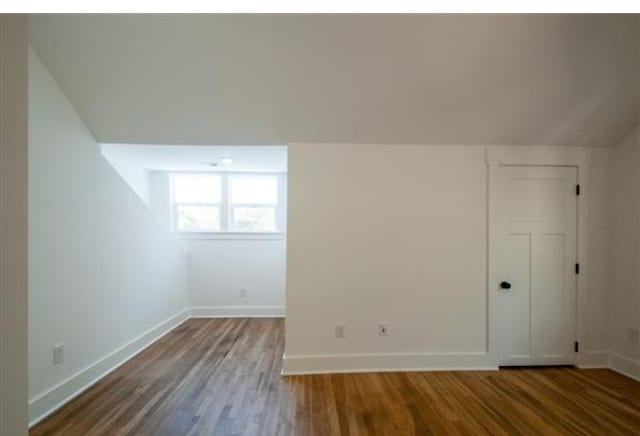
273 79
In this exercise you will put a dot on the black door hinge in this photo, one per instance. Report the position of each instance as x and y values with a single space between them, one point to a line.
577 189
576 346
577 268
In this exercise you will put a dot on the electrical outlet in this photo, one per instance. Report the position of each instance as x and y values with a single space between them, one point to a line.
341 331
58 353
633 336
383 329
243 293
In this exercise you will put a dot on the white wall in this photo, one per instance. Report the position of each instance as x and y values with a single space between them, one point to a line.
220 266
13 225
595 342
105 277
137 177
398 234
159 198
624 303
219 269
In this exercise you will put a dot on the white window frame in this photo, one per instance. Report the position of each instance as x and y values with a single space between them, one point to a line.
226 207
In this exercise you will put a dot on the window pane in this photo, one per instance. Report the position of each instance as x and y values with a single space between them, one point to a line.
254 218
191 188
198 218
254 189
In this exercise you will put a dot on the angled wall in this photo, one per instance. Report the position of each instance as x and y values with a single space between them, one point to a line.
105 277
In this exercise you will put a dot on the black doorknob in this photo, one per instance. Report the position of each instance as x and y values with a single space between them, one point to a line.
505 285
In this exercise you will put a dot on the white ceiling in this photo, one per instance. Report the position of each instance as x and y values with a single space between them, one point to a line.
197 157
273 79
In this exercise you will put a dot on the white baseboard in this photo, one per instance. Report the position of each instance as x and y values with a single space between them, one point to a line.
624 365
51 400
593 359
386 362
237 312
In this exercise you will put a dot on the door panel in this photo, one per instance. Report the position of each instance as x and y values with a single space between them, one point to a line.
548 296
519 247
535 253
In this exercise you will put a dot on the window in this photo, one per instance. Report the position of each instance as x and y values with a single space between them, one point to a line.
228 202
253 203
197 201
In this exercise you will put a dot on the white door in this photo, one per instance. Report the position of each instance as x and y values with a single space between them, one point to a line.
535 253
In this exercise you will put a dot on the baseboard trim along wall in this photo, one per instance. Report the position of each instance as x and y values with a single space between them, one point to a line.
593 359
624 365
386 362
49 401
237 312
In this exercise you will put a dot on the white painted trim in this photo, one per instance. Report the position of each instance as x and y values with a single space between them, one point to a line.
13 224
238 312
386 362
593 359
53 399
624 365
231 236
537 155
541 156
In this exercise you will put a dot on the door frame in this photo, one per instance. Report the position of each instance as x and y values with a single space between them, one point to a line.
13 224
579 158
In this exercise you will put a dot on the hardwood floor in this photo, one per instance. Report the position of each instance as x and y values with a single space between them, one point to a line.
222 377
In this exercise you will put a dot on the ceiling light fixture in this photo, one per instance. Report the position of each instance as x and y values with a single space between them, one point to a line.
226 160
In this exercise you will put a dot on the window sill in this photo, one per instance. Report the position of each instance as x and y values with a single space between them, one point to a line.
247 236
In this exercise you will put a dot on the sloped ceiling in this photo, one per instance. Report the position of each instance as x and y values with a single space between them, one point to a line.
273 79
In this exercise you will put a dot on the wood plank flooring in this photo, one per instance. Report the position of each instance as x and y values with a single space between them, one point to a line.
222 377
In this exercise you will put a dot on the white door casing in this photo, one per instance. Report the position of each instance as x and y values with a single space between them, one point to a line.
13 224
535 251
